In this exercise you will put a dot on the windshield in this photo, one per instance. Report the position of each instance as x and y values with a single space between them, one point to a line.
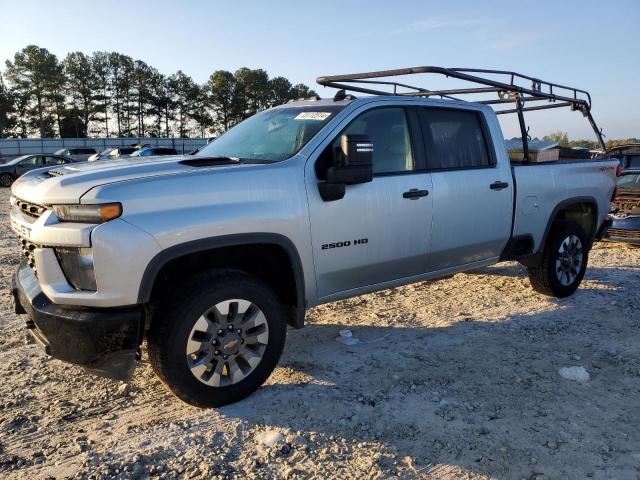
272 135
629 180
13 161
60 152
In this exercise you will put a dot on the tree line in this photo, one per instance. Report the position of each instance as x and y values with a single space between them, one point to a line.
108 94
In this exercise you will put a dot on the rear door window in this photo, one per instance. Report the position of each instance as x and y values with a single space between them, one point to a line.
454 139
54 161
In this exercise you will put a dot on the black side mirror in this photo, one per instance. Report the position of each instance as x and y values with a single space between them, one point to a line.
353 163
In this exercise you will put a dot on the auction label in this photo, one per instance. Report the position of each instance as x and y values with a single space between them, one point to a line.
313 116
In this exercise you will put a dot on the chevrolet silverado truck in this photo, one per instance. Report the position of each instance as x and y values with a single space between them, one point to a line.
210 257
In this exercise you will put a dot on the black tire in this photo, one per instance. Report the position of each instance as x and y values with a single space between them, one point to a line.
545 278
176 316
6 179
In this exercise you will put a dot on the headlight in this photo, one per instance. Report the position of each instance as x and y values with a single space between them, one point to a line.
77 265
88 213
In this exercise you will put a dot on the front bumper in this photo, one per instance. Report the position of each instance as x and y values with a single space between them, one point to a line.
104 341
625 230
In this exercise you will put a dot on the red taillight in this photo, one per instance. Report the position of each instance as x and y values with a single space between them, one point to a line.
618 170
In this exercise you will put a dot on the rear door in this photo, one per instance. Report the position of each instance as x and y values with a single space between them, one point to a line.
380 230
472 191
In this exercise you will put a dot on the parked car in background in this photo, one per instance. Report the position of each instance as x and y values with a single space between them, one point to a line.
77 153
628 154
14 168
154 151
625 211
112 153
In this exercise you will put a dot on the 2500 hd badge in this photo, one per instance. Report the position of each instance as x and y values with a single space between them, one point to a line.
346 243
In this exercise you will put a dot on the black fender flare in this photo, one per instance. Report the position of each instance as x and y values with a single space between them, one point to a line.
534 258
165 256
567 203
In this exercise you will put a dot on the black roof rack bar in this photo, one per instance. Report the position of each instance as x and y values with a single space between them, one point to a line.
559 95
463 91
511 100
461 74
534 81
380 92
538 107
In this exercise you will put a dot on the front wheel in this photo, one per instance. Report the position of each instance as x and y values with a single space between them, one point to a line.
564 261
218 339
6 179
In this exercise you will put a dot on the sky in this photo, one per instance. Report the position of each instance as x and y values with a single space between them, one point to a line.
593 45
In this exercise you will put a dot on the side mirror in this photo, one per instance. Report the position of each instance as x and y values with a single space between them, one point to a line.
353 164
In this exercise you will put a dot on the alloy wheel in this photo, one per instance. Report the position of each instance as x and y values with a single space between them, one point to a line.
227 342
569 260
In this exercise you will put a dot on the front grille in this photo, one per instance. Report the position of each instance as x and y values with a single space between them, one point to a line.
27 251
620 233
31 209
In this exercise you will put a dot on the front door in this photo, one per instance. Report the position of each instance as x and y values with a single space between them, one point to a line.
28 164
379 231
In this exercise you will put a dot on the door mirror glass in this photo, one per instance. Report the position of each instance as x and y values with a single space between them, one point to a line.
353 160
352 164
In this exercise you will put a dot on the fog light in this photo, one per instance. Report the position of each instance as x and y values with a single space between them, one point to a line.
77 265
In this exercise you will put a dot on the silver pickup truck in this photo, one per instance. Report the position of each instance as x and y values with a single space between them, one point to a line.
211 256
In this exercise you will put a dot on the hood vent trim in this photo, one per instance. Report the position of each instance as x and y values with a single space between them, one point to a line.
55 172
208 162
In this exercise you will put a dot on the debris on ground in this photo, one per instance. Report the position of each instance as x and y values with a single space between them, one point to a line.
270 438
575 374
346 337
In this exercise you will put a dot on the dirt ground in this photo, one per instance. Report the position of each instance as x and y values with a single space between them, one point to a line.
451 379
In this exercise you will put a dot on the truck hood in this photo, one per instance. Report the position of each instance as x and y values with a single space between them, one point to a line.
66 184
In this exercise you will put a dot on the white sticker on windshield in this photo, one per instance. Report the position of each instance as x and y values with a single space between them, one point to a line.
313 116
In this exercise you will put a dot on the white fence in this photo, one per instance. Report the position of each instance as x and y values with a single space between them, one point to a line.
12 147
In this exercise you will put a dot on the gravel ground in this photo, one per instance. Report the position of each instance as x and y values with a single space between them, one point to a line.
452 379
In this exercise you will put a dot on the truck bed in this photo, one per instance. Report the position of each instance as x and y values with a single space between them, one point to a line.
541 188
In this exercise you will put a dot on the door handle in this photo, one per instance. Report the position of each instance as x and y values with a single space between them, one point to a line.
498 185
415 194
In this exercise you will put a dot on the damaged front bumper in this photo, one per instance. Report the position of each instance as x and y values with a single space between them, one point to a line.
104 341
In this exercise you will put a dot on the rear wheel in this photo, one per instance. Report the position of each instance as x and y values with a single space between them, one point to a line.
6 179
564 261
218 339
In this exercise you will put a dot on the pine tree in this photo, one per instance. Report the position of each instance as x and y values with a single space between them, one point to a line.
81 89
101 84
7 109
35 73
